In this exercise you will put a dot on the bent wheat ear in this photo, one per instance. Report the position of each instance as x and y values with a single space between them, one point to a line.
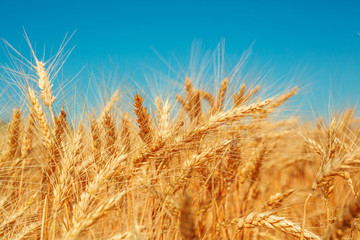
267 220
208 97
231 115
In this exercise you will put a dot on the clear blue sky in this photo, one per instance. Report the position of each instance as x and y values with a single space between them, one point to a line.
319 40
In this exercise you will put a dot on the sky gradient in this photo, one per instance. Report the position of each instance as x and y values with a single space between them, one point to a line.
318 42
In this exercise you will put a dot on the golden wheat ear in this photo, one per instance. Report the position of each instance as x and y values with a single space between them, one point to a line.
12 146
221 96
41 119
143 119
268 220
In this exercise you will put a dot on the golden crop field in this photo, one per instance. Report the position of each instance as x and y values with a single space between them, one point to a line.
203 165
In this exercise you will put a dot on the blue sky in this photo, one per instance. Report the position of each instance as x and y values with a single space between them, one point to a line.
318 42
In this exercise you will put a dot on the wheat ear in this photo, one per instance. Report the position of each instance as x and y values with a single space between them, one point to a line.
89 219
44 126
267 220
44 83
110 131
125 135
221 96
8 223
13 140
143 119
276 199
107 109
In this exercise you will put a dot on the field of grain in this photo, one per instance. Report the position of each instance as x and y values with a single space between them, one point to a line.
191 167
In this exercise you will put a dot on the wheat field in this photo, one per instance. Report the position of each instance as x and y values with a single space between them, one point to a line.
204 165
